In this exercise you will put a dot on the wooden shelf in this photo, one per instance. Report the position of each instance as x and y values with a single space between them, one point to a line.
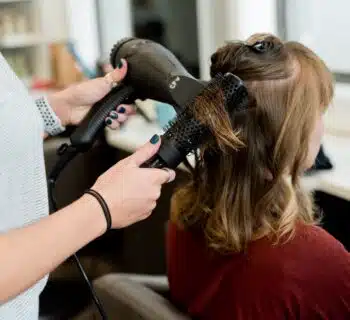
13 1
21 40
28 28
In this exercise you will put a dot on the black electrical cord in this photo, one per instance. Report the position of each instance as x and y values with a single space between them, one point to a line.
68 153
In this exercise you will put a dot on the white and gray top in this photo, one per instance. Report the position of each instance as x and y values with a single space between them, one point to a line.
23 189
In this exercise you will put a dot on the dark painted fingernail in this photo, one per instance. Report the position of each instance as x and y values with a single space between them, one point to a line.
121 110
120 64
154 139
108 121
113 115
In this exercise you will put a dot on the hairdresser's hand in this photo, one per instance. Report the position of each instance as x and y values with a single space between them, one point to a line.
73 103
132 192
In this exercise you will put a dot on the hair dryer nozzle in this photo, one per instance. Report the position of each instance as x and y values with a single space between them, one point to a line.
155 73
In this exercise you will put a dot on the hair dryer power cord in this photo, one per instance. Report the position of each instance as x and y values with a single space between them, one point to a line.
68 153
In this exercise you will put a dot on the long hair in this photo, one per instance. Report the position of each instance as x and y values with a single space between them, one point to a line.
247 185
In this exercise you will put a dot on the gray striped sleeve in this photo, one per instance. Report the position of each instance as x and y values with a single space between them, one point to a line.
52 123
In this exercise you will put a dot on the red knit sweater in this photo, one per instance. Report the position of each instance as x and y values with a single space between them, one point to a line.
306 278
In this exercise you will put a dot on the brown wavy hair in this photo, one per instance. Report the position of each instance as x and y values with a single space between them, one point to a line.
246 182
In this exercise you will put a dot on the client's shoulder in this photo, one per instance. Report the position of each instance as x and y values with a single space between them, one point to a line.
313 236
308 243
312 255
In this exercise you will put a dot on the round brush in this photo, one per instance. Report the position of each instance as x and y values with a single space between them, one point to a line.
187 132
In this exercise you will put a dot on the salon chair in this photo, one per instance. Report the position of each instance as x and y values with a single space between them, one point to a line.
133 297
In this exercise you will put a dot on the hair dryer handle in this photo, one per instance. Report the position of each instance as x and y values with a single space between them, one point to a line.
94 122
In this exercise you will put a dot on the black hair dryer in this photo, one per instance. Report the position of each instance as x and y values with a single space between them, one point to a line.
153 73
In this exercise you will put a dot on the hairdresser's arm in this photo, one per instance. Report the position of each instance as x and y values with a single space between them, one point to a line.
29 253
73 103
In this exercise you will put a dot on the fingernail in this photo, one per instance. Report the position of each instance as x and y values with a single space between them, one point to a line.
154 139
113 115
121 110
120 64
108 121
172 176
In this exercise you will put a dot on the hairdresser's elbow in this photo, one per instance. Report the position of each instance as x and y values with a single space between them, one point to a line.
7 289
4 295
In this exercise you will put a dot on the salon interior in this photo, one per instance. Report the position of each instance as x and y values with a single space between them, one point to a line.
54 44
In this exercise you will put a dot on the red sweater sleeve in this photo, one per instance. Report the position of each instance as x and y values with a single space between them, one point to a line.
306 278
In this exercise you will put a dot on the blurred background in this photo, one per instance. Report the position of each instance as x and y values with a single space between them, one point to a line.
53 43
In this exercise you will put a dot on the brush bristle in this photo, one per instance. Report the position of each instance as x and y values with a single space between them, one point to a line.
235 93
188 131
185 132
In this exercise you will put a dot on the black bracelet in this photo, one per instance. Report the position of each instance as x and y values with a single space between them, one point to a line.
104 206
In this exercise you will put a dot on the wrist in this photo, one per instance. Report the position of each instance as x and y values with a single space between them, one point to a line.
60 107
52 123
92 213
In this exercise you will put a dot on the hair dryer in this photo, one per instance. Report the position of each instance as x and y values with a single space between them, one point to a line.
153 73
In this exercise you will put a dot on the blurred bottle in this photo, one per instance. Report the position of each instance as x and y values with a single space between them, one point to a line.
165 113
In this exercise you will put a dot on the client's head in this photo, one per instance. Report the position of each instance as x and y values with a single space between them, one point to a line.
239 194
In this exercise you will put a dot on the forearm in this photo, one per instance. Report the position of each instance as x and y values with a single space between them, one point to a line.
31 252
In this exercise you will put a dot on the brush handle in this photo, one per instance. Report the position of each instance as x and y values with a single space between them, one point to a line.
168 156
154 162
94 122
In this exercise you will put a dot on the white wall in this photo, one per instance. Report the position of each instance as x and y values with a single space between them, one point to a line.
212 26
255 16
83 30
115 22
219 21
338 115
324 28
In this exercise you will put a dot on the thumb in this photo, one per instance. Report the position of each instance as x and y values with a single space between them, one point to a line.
146 151
90 91
116 75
